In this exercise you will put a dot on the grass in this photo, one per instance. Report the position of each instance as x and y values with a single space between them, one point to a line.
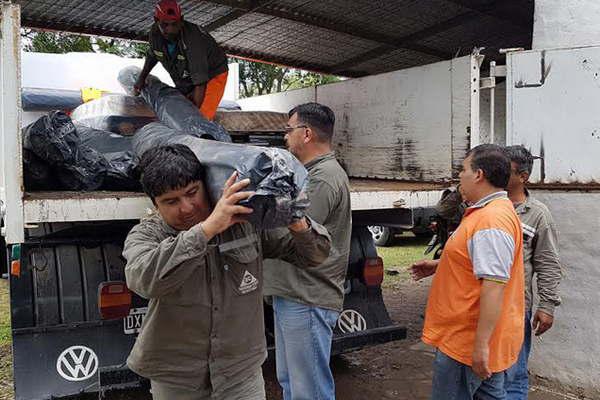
6 377
5 334
397 258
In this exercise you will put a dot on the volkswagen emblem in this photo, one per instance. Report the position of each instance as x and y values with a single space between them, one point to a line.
351 321
77 363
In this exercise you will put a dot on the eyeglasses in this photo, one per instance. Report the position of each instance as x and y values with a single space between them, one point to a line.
288 129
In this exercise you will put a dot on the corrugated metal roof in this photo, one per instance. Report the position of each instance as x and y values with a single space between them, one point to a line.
344 37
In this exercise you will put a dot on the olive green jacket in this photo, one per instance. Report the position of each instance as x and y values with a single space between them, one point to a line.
204 327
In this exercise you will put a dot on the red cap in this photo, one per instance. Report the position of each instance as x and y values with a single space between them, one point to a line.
167 10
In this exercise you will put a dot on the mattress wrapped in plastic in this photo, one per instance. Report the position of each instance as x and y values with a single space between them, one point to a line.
277 178
115 113
37 99
172 108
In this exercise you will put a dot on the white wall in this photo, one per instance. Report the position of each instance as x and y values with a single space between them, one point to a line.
564 23
569 352
279 102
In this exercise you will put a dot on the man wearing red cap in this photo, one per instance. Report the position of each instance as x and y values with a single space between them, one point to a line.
196 63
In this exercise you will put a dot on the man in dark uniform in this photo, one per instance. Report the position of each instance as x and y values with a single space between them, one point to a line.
196 63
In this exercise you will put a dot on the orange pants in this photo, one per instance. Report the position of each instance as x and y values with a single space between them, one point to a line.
213 95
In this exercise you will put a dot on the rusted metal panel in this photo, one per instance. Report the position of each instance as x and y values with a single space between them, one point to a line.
394 125
552 98
70 206
248 121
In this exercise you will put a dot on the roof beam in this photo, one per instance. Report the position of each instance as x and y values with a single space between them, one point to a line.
264 7
288 62
490 8
409 40
239 9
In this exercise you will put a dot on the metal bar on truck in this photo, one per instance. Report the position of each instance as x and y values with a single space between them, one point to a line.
10 121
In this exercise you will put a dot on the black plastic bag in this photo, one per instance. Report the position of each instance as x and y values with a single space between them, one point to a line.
117 150
53 138
277 178
172 108
120 172
104 141
115 113
86 172
36 172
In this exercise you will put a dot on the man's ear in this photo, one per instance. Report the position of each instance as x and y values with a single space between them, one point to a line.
479 175
524 177
309 135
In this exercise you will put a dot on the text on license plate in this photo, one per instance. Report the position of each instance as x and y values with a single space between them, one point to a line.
133 322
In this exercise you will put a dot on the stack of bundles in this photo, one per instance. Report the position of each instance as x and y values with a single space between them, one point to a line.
115 113
56 156
277 178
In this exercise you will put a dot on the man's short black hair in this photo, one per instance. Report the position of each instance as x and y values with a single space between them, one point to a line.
493 161
167 168
521 157
318 117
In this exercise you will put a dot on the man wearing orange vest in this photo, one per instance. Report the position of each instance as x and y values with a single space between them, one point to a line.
196 63
475 311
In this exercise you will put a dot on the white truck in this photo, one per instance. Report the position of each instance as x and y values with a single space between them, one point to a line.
400 135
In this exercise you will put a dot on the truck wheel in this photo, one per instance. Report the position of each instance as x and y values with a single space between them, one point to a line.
382 235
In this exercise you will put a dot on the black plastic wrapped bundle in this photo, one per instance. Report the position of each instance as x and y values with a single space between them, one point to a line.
118 152
53 138
277 178
172 108
62 155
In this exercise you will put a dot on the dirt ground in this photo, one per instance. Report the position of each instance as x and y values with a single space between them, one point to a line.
399 370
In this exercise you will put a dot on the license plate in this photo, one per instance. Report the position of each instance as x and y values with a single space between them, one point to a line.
133 322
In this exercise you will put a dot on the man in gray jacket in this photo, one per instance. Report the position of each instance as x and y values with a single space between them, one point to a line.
200 266
307 303
540 259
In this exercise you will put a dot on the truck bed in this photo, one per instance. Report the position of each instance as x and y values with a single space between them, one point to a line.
66 206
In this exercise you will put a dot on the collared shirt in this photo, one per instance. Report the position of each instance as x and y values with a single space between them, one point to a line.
486 245
204 328
329 194
195 59
540 254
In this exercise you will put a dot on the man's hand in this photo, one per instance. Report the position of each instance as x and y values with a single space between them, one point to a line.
300 225
227 212
423 269
481 355
542 322
197 95
139 85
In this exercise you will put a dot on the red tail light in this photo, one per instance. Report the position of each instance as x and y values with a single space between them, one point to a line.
114 300
373 271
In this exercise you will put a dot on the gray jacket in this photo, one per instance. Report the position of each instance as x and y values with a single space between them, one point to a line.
329 194
540 254
204 327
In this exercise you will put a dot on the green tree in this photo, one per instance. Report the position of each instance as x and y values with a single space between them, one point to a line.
60 42
261 78
56 42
